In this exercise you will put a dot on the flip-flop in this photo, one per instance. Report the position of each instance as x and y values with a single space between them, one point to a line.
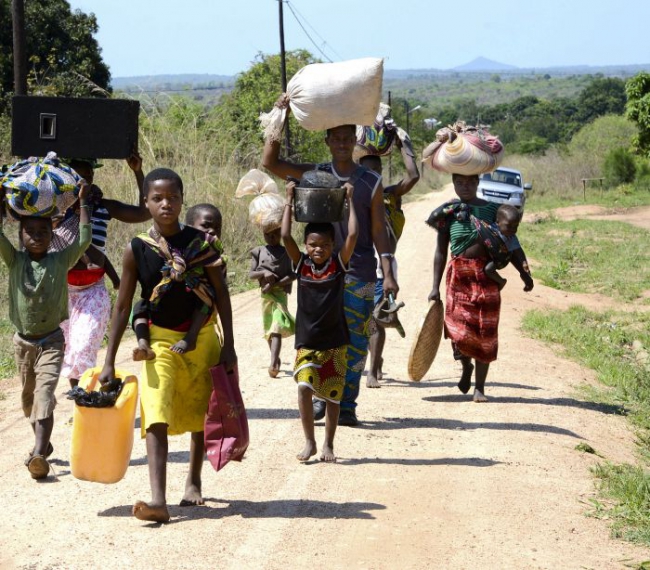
38 467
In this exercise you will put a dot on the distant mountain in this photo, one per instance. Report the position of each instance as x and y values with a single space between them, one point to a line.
162 82
484 64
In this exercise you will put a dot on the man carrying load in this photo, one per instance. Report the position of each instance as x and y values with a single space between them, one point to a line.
360 279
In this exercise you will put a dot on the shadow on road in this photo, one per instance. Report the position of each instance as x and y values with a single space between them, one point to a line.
439 423
466 461
280 508
435 383
571 402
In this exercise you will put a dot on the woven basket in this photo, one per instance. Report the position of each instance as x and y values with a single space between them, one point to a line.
427 340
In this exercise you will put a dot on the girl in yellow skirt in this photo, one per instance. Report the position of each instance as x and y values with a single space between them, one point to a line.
321 329
177 268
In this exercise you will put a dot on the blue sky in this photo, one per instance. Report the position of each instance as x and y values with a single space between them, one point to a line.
148 37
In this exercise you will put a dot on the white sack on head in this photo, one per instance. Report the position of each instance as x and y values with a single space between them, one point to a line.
266 209
327 95
256 182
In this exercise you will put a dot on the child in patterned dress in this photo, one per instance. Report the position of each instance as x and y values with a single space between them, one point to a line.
321 330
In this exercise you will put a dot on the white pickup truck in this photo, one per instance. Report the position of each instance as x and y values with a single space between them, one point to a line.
503 186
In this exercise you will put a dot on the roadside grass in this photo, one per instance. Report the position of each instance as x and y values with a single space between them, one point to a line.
616 346
616 198
589 256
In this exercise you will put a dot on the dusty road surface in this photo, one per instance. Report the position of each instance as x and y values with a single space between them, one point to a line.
429 480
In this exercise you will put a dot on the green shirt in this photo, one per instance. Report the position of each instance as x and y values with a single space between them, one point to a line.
38 290
463 234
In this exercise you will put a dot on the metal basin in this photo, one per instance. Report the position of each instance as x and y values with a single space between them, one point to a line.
319 204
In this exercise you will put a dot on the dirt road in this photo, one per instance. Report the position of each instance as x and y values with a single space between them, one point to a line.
429 480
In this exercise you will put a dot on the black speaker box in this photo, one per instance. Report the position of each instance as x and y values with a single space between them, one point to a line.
74 127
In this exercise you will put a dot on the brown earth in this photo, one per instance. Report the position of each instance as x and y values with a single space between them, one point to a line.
429 480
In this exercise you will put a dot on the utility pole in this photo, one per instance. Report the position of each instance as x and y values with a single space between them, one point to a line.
390 157
283 73
20 53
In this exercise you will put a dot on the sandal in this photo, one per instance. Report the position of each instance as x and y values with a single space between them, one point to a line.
50 451
38 467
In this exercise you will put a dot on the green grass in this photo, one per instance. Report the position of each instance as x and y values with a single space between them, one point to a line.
589 256
621 197
612 344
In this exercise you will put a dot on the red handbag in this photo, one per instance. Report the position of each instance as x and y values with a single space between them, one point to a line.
226 426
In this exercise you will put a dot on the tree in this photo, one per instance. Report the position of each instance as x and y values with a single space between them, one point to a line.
255 91
64 58
637 110
603 96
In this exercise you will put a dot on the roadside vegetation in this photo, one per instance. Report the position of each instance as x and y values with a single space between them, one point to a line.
615 345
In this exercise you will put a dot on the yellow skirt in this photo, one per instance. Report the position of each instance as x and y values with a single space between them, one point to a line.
175 388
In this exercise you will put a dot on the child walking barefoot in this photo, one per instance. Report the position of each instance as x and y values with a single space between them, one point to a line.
38 303
271 267
204 217
321 330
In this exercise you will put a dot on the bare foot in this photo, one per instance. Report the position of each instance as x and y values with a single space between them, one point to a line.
380 373
183 346
151 513
143 352
328 454
465 382
372 382
501 284
192 496
309 451
274 370
479 397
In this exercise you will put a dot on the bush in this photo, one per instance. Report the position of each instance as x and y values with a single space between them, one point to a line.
619 167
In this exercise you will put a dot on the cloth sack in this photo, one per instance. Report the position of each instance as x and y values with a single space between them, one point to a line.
327 95
377 139
226 425
266 209
462 149
42 187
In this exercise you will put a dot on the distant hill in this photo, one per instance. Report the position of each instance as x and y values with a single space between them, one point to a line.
484 64
172 82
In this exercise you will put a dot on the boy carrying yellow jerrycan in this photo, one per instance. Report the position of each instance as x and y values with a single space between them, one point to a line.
102 437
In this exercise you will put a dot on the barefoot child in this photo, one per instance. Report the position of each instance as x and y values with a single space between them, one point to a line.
271 267
38 303
497 240
204 217
175 387
321 330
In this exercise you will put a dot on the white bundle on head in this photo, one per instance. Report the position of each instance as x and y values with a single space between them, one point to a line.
265 210
327 95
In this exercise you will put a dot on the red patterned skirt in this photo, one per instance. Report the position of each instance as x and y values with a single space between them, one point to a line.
472 310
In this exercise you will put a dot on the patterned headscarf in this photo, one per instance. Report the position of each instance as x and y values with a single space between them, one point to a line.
41 187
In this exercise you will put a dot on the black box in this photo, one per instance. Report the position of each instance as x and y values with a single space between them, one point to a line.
74 127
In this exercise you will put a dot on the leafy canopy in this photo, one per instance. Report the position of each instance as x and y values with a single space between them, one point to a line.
63 55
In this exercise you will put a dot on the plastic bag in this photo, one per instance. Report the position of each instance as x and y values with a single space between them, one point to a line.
41 187
266 209
226 425
462 149
327 95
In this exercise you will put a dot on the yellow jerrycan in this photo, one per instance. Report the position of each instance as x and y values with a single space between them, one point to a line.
102 438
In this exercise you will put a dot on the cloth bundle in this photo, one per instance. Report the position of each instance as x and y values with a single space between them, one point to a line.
42 187
265 210
226 425
378 138
327 95
462 149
